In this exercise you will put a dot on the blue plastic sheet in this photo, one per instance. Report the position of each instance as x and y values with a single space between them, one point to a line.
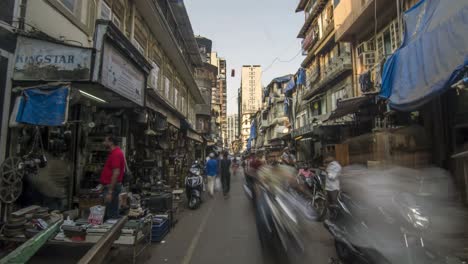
44 106
434 49
301 77
290 86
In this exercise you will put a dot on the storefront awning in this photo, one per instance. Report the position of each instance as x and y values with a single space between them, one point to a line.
349 106
434 50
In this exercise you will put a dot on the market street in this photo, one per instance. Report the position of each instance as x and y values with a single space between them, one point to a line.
220 231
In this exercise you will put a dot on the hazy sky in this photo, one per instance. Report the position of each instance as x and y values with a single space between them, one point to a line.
250 32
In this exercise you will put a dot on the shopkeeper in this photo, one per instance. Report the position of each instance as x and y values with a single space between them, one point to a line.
112 176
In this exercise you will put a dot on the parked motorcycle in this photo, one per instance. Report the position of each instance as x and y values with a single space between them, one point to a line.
380 236
194 187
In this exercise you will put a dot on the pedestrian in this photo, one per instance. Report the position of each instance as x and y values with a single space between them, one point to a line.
225 171
112 176
332 185
211 170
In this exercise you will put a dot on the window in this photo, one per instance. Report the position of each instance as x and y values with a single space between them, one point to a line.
106 11
316 108
71 5
176 95
167 87
340 94
78 12
139 47
116 22
154 77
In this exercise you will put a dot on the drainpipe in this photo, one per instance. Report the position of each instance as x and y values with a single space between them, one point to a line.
22 13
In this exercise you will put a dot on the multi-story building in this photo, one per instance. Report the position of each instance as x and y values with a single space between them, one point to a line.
273 121
206 78
251 97
232 128
328 69
219 99
130 68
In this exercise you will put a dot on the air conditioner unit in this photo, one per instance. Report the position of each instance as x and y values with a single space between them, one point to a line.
106 11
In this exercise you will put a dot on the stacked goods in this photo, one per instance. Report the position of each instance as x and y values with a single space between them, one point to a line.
159 229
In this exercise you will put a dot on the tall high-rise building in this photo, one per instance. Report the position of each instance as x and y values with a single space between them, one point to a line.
219 97
251 97
232 126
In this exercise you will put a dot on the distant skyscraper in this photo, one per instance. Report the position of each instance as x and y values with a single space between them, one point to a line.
232 127
251 97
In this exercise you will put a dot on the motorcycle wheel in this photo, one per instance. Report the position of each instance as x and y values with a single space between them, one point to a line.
193 202
344 253
320 207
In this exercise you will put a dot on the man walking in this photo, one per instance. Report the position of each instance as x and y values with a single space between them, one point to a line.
211 173
112 176
225 167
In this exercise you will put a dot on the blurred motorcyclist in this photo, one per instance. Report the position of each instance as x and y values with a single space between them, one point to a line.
332 185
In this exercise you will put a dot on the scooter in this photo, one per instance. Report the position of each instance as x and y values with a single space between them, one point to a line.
194 187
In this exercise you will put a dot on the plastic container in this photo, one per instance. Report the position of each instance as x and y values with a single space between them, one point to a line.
159 229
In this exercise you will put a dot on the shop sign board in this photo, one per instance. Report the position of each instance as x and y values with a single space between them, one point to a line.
44 60
121 75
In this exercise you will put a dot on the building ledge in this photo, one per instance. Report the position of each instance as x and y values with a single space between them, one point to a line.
301 6
361 18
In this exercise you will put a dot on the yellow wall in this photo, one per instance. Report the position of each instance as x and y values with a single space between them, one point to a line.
341 12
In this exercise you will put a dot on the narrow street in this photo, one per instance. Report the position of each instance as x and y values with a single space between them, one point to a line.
220 231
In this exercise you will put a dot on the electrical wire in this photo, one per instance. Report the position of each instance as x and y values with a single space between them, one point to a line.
279 60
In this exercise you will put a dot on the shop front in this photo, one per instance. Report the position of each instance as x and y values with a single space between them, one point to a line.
61 112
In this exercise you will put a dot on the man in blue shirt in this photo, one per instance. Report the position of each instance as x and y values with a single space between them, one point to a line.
211 169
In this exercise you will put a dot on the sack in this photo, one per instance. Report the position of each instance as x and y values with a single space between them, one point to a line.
96 214
218 186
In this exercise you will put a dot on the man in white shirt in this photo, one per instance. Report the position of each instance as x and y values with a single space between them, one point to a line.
332 185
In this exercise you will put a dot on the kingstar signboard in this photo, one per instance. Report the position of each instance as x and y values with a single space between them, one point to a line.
38 59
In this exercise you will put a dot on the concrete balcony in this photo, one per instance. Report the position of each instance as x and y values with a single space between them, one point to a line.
355 16
304 130
332 71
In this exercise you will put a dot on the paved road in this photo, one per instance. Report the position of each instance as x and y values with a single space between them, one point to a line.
220 231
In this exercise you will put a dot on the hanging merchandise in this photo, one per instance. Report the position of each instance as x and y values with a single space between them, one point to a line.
365 82
45 106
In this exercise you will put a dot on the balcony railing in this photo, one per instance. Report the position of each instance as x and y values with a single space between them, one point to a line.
310 39
335 68
306 129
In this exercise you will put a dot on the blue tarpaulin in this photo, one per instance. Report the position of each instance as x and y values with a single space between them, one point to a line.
434 49
253 134
301 77
290 86
44 106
